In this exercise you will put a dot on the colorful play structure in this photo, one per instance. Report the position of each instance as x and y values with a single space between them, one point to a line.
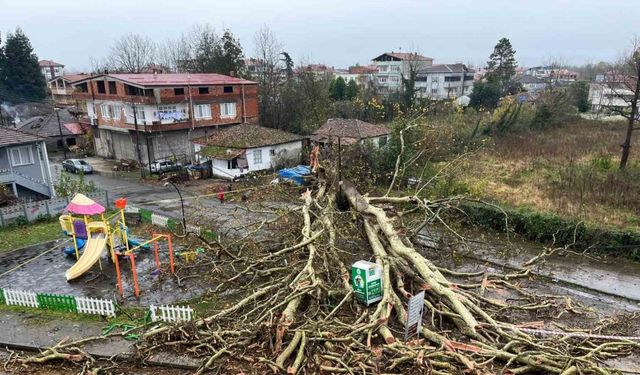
95 236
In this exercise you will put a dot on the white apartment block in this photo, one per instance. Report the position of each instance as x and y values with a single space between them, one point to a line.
445 81
393 65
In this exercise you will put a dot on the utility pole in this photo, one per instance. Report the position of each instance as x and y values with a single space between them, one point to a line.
146 138
135 124
64 150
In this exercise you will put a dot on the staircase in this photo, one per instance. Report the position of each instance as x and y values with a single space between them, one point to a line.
7 177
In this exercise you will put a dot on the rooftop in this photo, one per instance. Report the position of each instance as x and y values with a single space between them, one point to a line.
10 137
49 63
447 68
246 136
47 126
72 77
413 56
351 129
176 79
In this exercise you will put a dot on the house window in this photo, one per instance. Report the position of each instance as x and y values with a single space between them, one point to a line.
228 110
83 87
21 156
140 115
434 91
101 88
228 89
257 156
112 88
105 110
395 69
272 152
395 79
382 68
179 91
116 111
382 80
202 111
168 112
203 90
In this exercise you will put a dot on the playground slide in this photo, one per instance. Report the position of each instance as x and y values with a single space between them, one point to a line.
93 249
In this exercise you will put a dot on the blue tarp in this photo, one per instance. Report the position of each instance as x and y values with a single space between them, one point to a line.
295 174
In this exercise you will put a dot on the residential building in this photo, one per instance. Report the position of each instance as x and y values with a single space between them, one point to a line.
609 99
62 90
553 73
56 135
51 69
237 150
393 65
349 132
155 116
444 81
346 76
24 165
318 70
531 83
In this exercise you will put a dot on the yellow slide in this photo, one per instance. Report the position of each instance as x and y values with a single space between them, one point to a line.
92 250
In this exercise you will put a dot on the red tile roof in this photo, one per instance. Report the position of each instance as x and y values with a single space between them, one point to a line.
10 137
74 128
246 136
47 63
351 130
179 79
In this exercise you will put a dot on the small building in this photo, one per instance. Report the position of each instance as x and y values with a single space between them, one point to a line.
48 128
51 69
62 90
24 165
444 81
241 149
349 132
531 83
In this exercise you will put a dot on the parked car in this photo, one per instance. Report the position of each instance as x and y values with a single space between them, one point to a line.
77 165
162 166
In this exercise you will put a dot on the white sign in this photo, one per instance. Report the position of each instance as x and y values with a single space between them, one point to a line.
414 315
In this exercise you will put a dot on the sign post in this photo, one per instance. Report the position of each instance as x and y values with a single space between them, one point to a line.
415 308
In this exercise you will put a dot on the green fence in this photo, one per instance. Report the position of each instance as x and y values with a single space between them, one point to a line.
57 302
2 301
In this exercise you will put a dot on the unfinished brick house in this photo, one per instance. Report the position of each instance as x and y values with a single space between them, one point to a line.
157 115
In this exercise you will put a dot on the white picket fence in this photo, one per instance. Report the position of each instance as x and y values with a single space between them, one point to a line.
159 220
95 306
170 313
20 298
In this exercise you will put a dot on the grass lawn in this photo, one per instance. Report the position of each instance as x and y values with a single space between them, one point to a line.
19 236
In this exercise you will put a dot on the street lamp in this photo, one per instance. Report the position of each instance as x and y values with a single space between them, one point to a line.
184 220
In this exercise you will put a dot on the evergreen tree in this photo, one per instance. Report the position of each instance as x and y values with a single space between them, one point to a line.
338 89
485 95
2 77
352 90
228 54
502 64
21 73
288 64
579 92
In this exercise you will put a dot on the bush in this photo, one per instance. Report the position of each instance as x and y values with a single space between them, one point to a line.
68 186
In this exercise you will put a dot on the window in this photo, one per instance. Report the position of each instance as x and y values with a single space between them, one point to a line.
228 89
228 110
452 79
179 91
105 110
395 79
383 68
203 90
382 80
272 152
112 88
434 91
101 88
140 114
168 112
21 156
202 111
395 68
83 87
257 156
116 111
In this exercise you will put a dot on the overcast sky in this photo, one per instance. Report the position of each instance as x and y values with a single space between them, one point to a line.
339 33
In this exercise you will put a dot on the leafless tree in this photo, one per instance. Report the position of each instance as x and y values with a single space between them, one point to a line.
132 53
177 53
267 57
623 83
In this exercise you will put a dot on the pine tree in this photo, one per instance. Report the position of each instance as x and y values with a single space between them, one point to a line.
228 54
502 64
22 77
352 90
338 89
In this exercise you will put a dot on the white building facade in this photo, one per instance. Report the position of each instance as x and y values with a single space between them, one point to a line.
445 81
392 66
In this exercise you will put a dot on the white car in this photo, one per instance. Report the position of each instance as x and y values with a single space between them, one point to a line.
162 166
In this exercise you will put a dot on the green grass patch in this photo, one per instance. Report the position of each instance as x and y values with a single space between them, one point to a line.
14 237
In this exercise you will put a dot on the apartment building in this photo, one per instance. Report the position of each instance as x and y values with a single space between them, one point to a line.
393 65
61 89
445 81
154 116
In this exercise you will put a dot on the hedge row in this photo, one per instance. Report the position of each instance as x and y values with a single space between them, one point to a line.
542 227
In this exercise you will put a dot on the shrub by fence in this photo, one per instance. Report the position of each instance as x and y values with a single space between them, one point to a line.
32 211
168 313
544 227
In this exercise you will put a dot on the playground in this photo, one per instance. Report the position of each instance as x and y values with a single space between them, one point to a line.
100 257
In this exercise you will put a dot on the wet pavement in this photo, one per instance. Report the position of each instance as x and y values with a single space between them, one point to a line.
46 274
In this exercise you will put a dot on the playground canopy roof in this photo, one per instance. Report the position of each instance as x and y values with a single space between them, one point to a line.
83 205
